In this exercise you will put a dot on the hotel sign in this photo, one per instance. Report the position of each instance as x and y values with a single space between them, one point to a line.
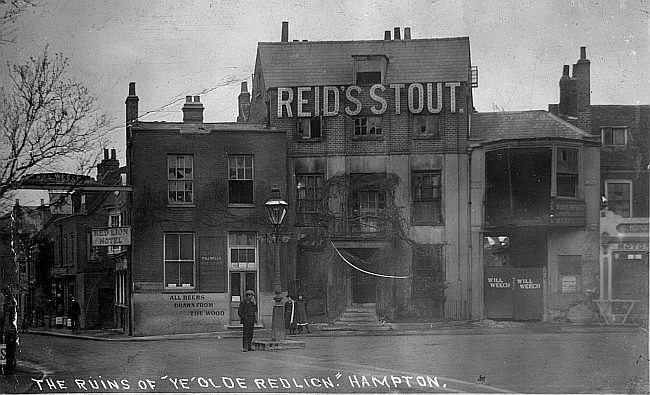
421 98
568 213
117 236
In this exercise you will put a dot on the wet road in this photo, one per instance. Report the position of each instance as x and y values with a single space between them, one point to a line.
524 363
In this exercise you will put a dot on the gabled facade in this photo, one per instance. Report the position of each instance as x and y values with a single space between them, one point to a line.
200 230
535 178
376 136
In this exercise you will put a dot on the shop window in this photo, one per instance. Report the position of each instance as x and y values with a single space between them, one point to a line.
309 128
240 179
427 204
180 179
614 136
570 273
310 194
367 126
567 172
242 250
179 261
619 197
427 125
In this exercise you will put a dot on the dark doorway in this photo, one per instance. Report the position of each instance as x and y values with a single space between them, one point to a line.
364 285
106 298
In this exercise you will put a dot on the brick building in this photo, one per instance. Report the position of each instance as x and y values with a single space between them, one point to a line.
376 136
624 133
198 219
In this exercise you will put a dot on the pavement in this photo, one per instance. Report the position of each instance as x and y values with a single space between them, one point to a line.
22 381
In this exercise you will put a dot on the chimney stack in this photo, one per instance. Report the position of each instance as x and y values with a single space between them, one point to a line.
244 100
581 73
193 110
285 32
131 105
407 33
387 35
108 170
397 35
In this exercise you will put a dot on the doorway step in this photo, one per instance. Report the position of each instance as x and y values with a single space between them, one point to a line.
360 317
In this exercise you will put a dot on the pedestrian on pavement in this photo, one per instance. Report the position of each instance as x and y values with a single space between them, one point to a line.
247 311
290 315
301 313
74 311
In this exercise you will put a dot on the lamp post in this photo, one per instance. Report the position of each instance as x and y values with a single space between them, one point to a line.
277 209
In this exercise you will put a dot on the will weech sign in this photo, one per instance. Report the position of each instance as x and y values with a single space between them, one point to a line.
118 236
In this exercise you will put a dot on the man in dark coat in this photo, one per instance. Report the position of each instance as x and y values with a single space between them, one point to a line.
74 311
247 310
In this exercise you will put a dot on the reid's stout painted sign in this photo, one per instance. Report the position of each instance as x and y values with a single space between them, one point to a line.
421 98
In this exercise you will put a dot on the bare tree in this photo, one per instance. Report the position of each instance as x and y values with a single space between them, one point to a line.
47 122
10 10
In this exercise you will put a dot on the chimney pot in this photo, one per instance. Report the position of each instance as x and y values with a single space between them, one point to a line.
131 88
188 99
566 70
113 156
387 35
397 33
583 52
106 153
285 32
407 33
197 99
244 87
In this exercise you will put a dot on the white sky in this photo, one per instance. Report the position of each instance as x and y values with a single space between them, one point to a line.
176 48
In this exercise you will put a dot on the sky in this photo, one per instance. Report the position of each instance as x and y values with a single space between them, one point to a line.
174 48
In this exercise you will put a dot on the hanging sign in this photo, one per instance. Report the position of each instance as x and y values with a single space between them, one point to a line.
117 236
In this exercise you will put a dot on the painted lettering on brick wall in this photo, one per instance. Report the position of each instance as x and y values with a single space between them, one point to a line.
527 283
194 302
331 100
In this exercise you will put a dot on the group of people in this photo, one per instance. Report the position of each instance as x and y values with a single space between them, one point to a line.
295 317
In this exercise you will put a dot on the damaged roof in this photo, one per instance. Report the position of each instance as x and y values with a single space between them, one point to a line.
524 125
315 63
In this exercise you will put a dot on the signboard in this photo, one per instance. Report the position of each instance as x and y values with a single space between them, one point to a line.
569 284
632 228
568 213
117 236
212 265
147 286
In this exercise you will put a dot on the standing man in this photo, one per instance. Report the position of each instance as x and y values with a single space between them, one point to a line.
74 311
247 310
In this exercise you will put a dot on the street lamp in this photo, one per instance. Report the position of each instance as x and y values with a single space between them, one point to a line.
277 209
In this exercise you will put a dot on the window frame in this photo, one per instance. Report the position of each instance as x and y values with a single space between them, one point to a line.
303 186
173 180
192 262
564 172
309 122
608 136
363 131
435 120
232 181
232 246
435 201
630 201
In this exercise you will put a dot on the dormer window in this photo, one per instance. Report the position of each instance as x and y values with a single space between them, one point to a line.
614 136
369 69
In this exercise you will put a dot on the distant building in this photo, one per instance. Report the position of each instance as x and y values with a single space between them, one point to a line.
199 226
624 132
